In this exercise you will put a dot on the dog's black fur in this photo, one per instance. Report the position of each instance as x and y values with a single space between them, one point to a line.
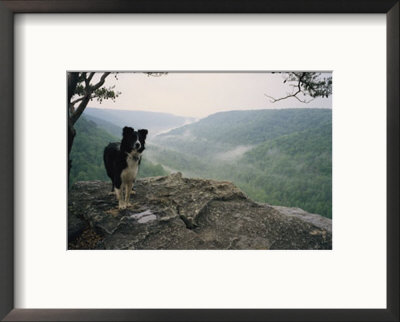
122 160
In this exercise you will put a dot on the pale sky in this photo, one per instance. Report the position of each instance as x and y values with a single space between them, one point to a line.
202 94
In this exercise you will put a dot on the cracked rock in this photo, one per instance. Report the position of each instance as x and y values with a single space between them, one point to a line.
173 212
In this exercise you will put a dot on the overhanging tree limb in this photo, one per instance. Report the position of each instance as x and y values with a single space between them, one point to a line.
307 84
89 90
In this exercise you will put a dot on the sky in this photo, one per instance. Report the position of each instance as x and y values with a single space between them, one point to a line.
201 94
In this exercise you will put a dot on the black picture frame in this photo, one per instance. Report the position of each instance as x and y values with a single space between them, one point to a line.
8 8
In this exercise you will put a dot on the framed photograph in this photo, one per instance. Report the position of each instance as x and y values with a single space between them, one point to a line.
199 161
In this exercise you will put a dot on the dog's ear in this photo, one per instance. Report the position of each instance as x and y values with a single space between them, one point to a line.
127 130
143 133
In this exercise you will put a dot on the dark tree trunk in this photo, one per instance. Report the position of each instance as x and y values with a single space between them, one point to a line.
72 82
71 136
74 113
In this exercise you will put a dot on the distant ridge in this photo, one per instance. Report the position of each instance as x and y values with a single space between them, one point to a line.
105 125
254 126
155 122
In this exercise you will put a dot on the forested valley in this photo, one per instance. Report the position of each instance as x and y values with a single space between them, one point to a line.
281 157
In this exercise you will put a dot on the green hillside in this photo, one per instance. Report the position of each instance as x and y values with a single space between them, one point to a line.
109 127
293 170
253 126
282 157
87 154
226 130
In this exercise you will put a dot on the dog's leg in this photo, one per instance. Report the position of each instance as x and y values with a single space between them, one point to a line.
120 198
119 189
118 194
128 193
112 190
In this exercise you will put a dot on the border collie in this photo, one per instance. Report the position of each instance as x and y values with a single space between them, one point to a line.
122 163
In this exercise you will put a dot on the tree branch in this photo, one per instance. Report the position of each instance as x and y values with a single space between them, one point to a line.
90 77
77 100
273 100
101 82
80 99
308 84
85 99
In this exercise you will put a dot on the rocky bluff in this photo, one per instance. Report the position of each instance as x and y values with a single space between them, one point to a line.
173 212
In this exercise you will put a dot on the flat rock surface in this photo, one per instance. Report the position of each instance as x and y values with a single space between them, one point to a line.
173 212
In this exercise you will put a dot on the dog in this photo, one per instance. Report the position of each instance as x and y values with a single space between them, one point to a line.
122 161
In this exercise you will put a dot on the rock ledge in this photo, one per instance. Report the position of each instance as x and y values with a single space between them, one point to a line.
173 212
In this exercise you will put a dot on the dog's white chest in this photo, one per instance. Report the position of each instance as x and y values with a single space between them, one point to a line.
130 172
